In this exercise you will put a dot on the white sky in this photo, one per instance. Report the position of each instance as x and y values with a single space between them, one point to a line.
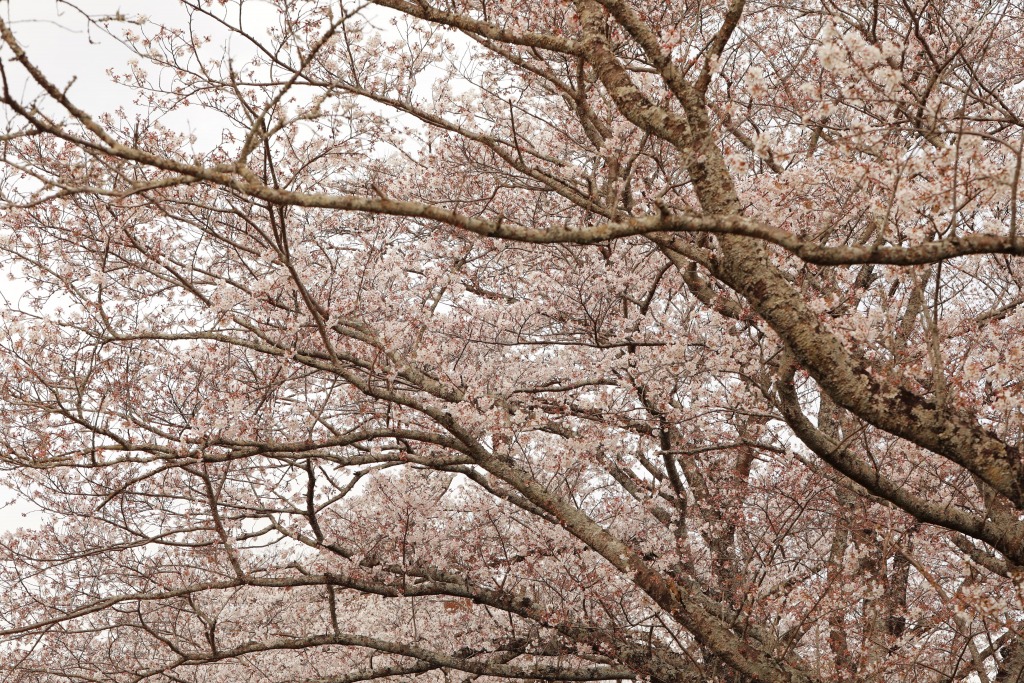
59 40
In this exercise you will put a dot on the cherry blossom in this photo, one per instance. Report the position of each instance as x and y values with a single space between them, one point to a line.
565 341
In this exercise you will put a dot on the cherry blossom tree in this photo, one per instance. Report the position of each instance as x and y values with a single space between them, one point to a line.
574 340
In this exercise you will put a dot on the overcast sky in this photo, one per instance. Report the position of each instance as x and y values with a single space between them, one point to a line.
59 40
